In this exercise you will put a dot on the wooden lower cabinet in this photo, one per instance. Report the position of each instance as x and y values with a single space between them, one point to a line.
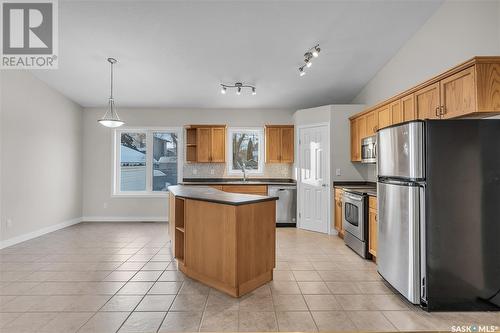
372 226
338 212
231 248
246 189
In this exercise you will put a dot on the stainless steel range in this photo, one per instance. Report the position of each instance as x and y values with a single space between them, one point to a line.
355 218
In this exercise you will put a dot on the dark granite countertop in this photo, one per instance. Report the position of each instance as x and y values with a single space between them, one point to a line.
237 181
206 193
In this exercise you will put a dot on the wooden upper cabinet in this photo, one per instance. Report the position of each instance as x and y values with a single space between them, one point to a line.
206 143
273 143
458 94
203 141
218 142
287 144
355 141
384 116
280 143
488 87
395 111
408 108
371 123
362 133
427 102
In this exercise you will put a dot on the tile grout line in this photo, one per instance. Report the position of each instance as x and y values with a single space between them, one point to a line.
116 291
143 296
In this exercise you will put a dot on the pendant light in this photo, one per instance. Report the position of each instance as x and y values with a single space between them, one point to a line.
111 118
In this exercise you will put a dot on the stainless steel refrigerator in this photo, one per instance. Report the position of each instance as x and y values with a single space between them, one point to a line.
439 212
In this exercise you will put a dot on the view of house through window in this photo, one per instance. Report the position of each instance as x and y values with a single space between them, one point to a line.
164 160
148 161
133 162
245 150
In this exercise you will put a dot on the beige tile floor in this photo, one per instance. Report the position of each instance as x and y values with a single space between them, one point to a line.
120 277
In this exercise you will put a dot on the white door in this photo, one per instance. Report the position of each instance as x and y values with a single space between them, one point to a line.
314 178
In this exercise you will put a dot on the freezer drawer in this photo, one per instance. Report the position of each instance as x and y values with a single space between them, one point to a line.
400 151
398 253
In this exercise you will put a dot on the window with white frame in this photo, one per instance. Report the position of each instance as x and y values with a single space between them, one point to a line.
246 150
147 161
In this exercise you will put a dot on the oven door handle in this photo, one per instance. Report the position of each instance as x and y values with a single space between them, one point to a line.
353 198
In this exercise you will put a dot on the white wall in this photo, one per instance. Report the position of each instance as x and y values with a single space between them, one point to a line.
98 155
41 164
457 31
340 142
337 116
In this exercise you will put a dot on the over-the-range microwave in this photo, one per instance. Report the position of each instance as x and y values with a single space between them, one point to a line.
369 149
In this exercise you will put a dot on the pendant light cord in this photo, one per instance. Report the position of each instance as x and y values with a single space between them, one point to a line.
111 96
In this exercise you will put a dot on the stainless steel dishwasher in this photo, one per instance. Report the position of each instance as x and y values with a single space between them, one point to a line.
286 206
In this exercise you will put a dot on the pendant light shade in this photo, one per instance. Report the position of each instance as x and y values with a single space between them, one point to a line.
111 118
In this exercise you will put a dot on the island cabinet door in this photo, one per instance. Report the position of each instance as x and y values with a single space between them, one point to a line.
210 244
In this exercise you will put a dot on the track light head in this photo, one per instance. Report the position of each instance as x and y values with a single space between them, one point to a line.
308 63
315 52
254 91
223 90
238 91
302 72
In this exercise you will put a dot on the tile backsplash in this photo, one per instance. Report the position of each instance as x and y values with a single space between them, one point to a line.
220 170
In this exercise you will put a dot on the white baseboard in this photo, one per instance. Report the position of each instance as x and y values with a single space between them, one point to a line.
38 233
125 219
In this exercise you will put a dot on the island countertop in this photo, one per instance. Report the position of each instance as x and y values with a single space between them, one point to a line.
210 194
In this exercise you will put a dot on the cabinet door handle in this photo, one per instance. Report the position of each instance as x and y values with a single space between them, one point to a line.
442 110
438 112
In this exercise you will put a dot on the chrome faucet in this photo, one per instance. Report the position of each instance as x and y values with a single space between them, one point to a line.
243 168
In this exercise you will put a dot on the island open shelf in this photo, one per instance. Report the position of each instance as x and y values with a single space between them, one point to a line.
225 240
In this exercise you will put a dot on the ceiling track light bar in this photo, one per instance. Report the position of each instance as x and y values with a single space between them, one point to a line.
238 86
313 52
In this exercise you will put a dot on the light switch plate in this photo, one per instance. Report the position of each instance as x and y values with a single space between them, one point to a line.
337 172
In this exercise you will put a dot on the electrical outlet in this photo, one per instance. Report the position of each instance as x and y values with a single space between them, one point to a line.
212 171
9 223
337 172
195 171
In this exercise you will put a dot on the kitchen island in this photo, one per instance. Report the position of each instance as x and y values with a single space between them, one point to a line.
224 240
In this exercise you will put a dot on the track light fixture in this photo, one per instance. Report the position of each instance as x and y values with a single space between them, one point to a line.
313 52
239 86
302 72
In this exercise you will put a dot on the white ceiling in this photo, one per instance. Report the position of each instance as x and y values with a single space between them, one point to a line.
175 53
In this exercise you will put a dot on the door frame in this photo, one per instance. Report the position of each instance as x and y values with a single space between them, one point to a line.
298 129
